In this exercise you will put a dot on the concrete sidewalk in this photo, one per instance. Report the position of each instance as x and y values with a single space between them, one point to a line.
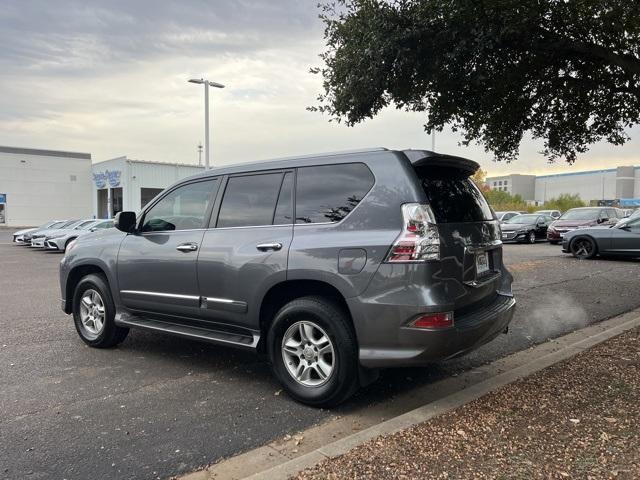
287 457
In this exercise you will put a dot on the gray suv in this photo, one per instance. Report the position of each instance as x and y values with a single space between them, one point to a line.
333 265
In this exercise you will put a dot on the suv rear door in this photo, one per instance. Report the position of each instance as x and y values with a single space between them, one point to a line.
245 251
470 246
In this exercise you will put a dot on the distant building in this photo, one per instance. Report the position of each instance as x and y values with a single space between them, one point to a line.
125 184
41 185
621 183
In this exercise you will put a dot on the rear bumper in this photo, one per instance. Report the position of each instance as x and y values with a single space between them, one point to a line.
419 347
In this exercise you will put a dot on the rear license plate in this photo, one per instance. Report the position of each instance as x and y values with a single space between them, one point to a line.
482 263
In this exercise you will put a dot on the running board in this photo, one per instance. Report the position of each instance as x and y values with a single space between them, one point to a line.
249 341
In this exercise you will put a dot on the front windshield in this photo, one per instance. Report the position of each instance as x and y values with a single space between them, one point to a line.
586 214
70 224
55 225
523 219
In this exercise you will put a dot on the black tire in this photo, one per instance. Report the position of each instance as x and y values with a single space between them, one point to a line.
330 317
531 237
110 334
583 247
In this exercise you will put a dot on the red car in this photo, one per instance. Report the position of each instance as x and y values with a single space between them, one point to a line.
582 217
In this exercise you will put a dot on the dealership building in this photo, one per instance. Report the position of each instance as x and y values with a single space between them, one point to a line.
40 185
620 185
124 184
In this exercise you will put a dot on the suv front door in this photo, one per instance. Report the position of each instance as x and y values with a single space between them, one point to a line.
157 264
246 250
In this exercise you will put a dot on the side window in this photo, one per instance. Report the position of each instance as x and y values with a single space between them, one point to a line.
284 207
181 209
328 193
249 200
102 225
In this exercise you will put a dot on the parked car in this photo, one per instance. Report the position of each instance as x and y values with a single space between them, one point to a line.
526 228
556 214
60 240
18 237
392 258
504 216
27 237
581 217
623 239
635 213
38 239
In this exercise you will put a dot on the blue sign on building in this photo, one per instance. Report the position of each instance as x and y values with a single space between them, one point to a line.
3 198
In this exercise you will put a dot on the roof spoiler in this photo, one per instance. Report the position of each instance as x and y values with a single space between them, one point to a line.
427 158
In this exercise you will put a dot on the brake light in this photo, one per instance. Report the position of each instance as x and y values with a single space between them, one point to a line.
434 320
419 240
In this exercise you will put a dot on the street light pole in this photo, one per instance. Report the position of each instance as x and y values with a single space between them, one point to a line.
206 83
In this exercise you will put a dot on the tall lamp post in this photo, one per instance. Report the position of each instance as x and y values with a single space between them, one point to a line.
206 83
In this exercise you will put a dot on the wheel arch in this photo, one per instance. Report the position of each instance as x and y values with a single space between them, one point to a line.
75 275
282 293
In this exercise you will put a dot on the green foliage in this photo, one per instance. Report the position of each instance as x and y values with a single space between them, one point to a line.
563 203
566 72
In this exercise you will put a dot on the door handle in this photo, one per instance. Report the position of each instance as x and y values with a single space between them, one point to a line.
263 247
187 247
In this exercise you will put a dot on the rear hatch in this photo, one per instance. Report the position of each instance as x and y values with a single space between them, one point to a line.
470 248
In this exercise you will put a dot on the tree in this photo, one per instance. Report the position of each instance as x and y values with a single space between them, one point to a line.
480 179
564 202
566 71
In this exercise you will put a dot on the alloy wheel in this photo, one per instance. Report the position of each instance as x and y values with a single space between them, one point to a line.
308 354
92 313
582 247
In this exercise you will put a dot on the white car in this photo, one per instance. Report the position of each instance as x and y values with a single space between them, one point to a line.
38 238
18 237
504 216
59 241
556 214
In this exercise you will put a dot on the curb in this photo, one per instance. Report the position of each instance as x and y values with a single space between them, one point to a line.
272 462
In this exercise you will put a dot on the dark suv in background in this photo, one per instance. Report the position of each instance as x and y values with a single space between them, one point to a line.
333 265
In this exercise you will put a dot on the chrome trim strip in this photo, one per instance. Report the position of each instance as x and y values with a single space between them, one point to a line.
221 300
252 226
158 294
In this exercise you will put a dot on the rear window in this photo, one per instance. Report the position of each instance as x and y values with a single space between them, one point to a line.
453 197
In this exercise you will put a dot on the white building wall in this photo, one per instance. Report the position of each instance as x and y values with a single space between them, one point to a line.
41 187
597 185
137 174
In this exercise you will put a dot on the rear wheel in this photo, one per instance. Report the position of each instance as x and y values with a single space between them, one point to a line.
94 313
313 351
531 237
583 247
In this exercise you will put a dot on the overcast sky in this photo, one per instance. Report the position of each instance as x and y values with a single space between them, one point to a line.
110 78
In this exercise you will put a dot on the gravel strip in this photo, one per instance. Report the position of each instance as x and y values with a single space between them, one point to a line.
577 419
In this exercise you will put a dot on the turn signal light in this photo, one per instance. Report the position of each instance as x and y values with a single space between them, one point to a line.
434 320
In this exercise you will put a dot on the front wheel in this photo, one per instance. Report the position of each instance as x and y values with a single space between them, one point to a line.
583 248
94 313
531 237
313 351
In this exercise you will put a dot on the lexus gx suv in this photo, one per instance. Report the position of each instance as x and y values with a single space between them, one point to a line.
332 265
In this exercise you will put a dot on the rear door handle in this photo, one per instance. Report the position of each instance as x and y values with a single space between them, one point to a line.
263 247
187 247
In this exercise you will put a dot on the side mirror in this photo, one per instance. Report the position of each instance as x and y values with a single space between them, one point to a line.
125 222
93 229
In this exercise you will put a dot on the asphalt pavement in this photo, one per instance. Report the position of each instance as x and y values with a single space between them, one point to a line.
158 406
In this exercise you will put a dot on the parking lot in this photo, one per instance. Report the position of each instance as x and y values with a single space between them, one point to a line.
157 406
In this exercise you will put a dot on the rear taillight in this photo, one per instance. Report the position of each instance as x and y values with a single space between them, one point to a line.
419 240
434 320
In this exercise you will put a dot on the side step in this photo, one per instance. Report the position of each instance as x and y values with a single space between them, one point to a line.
248 341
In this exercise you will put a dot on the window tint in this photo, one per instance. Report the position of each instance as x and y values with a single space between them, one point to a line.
328 193
453 197
102 225
182 209
284 208
249 200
